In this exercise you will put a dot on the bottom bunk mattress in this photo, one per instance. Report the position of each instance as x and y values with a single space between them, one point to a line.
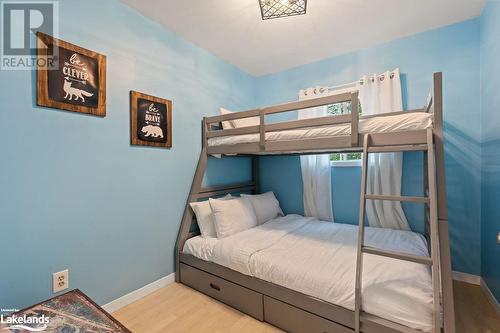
318 259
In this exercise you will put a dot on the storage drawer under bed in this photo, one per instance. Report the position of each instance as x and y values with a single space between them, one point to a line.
241 298
295 320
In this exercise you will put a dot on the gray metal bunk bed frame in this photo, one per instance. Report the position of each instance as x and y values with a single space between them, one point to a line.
289 309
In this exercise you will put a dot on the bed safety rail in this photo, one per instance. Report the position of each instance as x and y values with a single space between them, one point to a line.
213 129
403 140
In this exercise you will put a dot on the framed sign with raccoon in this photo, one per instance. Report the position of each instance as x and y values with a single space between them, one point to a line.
70 77
150 120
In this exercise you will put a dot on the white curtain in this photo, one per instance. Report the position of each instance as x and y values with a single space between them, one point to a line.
316 172
381 94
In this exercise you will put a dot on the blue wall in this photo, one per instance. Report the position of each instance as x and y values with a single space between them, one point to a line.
74 193
490 99
454 50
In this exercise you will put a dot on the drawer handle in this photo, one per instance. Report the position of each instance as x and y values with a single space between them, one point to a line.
213 286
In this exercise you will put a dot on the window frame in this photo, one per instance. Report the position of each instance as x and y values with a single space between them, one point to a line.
346 163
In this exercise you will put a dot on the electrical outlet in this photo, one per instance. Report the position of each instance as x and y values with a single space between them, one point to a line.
60 281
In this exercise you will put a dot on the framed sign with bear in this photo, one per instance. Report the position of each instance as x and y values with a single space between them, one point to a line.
150 120
71 78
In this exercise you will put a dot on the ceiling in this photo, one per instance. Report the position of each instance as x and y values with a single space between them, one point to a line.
234 30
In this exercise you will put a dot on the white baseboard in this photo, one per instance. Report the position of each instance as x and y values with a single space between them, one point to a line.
490 296
466 277
138 293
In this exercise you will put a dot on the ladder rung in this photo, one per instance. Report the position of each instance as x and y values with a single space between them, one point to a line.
397 198
399 148
397 255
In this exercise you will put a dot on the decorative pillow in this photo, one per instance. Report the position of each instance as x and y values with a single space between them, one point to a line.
205 218
265 206
226 124
232 216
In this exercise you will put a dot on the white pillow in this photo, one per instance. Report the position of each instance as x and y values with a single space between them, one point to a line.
226 124
205 218
236 123
265 206
245 122
232 216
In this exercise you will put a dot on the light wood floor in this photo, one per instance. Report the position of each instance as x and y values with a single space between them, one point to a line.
474 313
178 309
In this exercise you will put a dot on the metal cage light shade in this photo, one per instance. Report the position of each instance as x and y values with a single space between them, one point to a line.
282 8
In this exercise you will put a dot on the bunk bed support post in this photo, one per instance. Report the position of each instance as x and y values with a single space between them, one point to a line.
354 119
425 189
255 174
434 234
437 101
188 215
361 237
262 129
444 242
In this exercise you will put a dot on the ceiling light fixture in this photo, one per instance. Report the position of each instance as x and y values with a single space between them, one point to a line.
282 8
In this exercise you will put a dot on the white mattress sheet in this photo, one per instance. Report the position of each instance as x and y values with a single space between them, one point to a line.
200 247
399 122
319 259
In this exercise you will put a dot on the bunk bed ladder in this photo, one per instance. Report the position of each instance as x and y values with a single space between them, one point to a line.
430 200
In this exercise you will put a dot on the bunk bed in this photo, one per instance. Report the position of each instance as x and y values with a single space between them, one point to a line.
293 307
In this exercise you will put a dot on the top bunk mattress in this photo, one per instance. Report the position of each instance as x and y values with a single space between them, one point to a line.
382 124
318 259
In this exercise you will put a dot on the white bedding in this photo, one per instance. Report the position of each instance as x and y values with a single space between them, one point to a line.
399 122
319 259
200 247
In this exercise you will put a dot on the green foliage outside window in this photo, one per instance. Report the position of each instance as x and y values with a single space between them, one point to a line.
345 156
340 109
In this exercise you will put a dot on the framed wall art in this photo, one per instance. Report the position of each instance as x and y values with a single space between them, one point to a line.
74 80
150 120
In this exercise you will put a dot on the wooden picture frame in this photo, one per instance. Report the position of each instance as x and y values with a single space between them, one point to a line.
150 120
76 80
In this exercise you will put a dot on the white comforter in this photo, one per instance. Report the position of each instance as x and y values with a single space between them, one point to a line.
319 259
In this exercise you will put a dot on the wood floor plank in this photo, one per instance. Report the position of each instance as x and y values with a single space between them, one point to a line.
474 313
180 309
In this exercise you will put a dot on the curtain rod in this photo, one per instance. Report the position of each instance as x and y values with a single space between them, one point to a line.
360 81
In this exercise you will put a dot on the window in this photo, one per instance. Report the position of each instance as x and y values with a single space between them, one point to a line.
344 159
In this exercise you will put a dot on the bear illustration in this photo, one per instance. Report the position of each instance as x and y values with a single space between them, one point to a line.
153 131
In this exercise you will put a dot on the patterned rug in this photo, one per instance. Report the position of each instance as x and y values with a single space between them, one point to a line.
72 312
